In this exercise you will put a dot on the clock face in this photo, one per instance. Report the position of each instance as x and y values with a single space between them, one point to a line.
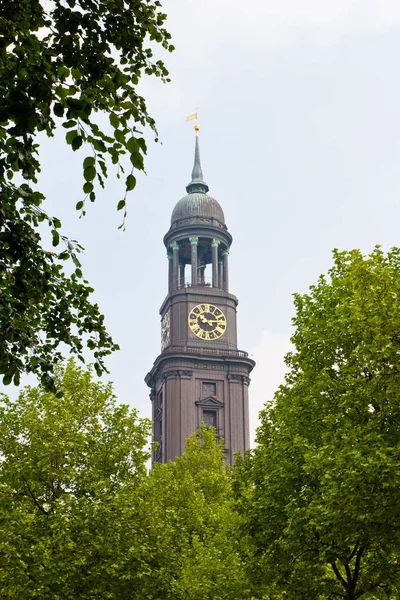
207 322
165 327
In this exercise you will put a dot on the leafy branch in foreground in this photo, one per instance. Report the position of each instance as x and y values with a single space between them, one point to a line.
64 63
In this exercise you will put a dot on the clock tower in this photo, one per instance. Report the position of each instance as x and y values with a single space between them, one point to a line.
200 375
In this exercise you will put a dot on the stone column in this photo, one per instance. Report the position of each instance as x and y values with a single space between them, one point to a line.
181 275
225 255
221 273
193 242
202 274
170 271
214 250
175 265
172 411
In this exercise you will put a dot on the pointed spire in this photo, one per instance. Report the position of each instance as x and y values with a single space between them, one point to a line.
197 184
197 173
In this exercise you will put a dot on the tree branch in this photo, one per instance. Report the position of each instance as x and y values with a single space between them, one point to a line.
355 549
35 501
348 573
339 575
357 567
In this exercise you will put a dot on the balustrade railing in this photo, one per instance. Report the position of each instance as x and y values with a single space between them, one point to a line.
187 282
206 282
213 351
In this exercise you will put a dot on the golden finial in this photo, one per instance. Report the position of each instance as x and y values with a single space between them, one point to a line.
197 126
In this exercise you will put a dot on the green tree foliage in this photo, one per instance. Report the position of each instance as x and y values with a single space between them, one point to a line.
70 472
64 63
190 523
323 503
81 518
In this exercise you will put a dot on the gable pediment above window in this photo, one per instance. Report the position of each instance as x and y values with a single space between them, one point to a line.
210 401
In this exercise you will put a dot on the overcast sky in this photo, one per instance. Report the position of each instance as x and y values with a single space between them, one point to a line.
299 107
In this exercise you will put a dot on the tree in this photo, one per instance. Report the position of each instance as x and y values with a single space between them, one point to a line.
322 494
189 521
71 471
64 63
81 518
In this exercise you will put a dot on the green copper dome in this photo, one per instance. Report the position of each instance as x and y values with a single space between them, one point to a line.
197 203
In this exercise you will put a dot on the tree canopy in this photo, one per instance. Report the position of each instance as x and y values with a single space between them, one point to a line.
65 64
192 526
70 472
80 517
322 504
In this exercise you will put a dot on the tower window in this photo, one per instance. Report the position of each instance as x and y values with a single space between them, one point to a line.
209 388
210 418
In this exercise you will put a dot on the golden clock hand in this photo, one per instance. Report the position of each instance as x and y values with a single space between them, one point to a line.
211 321
204 319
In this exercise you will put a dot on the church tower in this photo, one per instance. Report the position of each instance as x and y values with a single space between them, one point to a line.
200 374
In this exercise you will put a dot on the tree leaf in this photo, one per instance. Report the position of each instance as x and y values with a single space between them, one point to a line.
88 187
89 161
89 173
77 142
99 145
71 135
130 182
58 109
114 120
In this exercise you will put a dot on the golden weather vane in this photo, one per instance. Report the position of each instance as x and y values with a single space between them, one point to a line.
197 126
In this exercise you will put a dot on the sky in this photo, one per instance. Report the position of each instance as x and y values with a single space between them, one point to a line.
299 108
